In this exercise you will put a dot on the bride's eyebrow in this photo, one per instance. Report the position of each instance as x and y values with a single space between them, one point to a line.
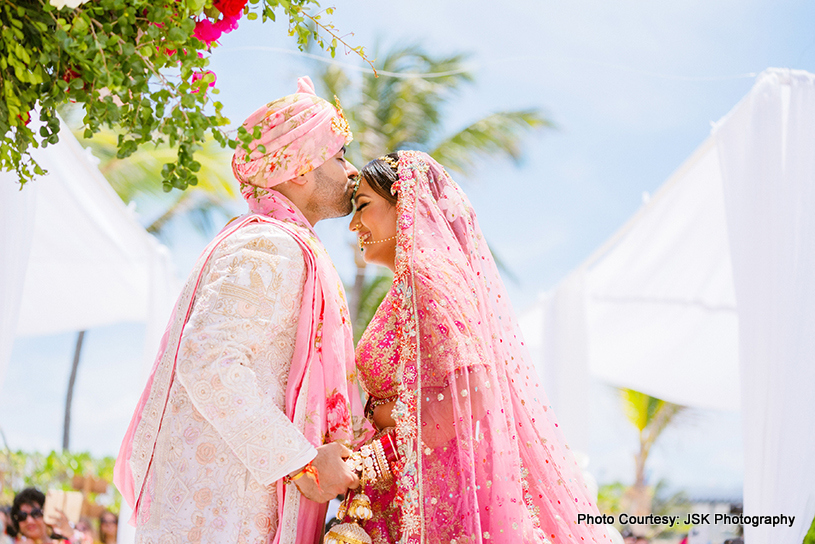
360 195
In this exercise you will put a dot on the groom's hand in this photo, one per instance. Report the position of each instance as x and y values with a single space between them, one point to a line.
335 476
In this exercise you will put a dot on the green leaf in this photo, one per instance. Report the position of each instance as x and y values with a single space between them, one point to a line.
80 25
176 34
117 45
22 54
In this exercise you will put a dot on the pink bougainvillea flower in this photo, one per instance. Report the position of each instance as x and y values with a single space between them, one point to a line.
197 76
206 31
228 23
230 8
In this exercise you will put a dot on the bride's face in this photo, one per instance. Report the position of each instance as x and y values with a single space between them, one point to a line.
375 225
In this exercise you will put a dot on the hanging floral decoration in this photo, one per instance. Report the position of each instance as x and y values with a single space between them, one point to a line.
136 66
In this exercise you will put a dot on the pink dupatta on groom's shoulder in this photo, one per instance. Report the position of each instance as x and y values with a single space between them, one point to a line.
318 398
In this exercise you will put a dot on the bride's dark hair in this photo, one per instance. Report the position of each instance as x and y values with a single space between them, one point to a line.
381 176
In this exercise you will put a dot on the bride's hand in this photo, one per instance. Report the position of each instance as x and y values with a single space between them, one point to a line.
383 417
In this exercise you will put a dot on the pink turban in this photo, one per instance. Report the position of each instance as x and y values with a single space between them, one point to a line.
299 132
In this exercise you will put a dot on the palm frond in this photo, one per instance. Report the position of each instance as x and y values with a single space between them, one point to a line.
499 134
502 266
650 415
391 113
335 82
635 406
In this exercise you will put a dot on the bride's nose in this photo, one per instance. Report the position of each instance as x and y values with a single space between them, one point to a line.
354 225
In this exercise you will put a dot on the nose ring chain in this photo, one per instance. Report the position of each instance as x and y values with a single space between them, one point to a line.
363 244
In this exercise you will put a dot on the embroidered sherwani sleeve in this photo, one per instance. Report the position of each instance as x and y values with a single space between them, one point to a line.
235 352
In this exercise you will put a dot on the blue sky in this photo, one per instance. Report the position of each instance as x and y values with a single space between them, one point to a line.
633 88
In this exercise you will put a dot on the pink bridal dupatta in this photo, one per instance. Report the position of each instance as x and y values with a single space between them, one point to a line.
318 397
483 458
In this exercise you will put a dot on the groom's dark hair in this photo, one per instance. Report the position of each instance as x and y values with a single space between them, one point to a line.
381 176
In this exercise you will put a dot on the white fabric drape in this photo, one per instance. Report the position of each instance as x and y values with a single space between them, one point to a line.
653 309
16 231
735 223
767 152
660 303
74 256
88 253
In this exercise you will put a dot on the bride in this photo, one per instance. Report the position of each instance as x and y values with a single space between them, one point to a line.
468 449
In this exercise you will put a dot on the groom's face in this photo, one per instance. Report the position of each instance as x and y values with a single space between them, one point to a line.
333 186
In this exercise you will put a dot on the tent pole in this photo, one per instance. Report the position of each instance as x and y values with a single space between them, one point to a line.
66 429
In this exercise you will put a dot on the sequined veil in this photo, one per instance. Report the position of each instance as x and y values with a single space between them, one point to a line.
482 458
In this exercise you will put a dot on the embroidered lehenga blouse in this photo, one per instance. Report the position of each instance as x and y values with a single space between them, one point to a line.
377 354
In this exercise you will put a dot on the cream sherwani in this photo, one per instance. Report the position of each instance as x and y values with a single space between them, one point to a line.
224 436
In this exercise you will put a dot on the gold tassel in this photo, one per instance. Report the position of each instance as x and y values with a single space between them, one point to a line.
358 508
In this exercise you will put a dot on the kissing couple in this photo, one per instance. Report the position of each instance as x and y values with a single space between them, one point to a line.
251 420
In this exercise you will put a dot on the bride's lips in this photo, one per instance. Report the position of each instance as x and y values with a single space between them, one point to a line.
363 237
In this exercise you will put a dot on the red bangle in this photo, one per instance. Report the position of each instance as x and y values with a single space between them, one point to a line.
390 449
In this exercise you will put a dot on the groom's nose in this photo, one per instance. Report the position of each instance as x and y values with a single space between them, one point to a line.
351 170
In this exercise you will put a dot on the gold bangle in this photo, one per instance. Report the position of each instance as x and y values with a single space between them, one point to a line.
382 461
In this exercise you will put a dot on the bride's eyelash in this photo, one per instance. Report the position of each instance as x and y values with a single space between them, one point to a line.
360 206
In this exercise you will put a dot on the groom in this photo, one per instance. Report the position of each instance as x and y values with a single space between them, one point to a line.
241 432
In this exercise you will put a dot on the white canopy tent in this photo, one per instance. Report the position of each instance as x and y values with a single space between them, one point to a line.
73 255
706 297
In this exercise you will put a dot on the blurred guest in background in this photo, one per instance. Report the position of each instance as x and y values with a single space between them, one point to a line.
108 525
85 526
29 525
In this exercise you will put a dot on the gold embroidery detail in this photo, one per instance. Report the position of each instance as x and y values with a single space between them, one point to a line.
339 124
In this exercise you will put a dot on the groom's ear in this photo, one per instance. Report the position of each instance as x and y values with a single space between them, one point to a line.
301 180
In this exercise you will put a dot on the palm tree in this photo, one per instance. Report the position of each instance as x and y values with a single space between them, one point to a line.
650 416
403 108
